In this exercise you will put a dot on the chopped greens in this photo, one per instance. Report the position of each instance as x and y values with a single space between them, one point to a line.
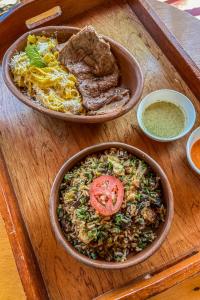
121 219
82 213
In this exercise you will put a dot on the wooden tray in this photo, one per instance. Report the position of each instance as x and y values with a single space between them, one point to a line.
34 147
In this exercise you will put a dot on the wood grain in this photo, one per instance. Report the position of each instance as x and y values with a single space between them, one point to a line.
35 146
188 290
151 285
183 26
24 256
165 40
10 284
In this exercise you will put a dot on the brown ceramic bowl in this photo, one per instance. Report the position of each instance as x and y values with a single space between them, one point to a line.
132 259
131 75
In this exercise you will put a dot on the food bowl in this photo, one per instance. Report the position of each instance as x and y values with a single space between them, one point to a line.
195 136
131 75
162 230
173 97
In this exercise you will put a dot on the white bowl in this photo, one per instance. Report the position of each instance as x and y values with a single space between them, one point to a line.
195 135
173 97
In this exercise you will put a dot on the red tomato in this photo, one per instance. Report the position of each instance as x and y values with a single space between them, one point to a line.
106 195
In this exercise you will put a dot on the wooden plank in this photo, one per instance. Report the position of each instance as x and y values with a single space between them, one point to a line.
10 284
165 40
157 283
183 26
189 289
35 146
19 240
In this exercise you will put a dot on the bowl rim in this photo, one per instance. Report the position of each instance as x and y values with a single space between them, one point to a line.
70 117
162 139
188 149
141 256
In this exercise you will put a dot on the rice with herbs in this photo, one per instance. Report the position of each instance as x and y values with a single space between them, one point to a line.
132 228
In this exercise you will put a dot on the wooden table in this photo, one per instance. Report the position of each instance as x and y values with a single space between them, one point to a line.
186 29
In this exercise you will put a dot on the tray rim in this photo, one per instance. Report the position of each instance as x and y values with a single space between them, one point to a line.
23 253
10 211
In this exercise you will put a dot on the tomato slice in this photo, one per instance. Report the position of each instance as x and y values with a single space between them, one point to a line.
106 195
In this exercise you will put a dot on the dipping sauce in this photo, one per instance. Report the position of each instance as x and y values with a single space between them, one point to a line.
195 153
164 119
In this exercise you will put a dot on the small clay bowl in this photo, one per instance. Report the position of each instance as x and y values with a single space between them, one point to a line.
162 230
131 75
173 97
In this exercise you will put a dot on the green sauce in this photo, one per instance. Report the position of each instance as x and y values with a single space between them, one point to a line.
163 119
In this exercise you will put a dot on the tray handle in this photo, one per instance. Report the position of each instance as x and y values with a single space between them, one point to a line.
44 17
14 24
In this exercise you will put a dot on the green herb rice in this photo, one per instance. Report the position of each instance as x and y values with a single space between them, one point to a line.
132 228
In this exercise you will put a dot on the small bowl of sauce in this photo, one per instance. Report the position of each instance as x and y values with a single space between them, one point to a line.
193 150
166 115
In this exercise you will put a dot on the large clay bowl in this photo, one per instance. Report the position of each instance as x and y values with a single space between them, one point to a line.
131 75
162 230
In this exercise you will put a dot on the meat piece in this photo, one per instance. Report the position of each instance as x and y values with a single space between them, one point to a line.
80 70
90 59
100 105
84 237
140 172
110 108
148 214
88 47
94 86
